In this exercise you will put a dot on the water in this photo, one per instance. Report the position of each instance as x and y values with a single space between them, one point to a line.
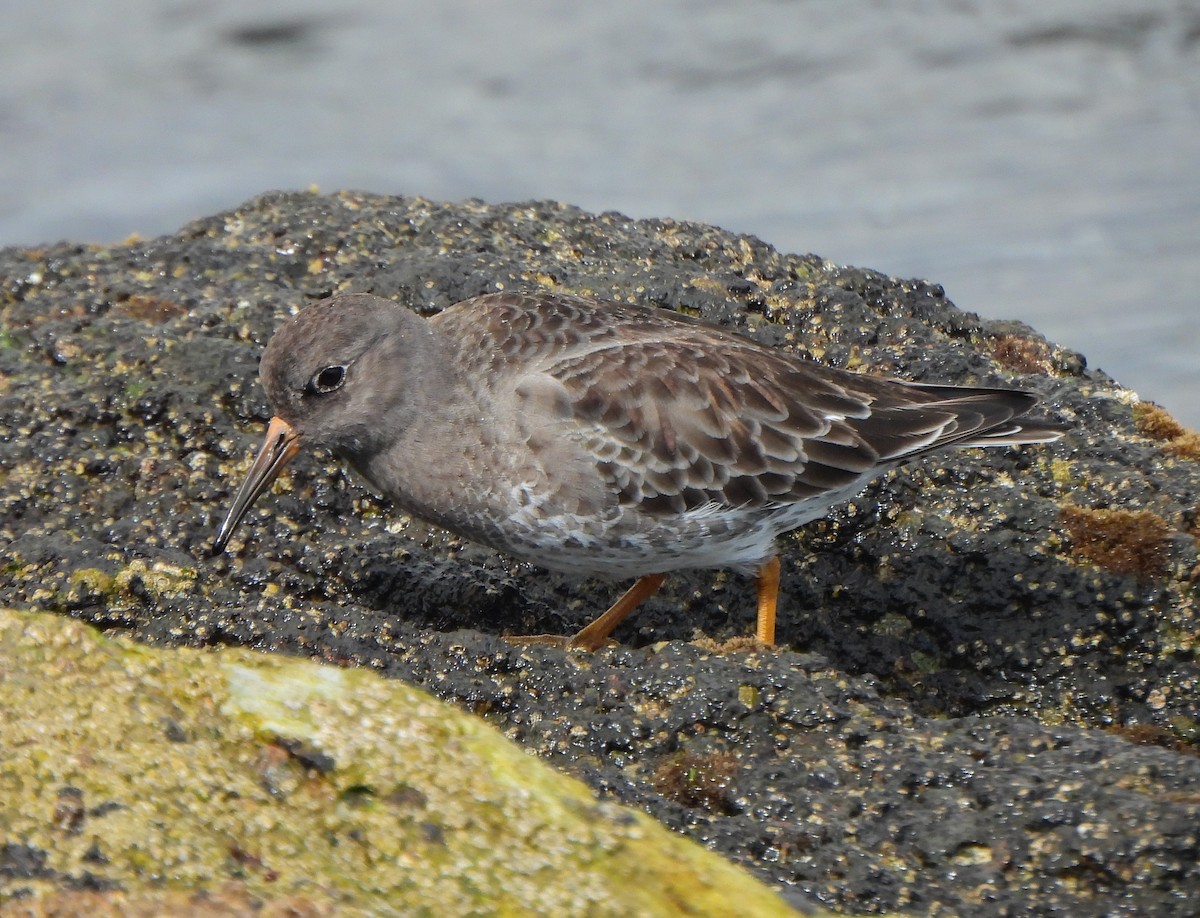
1039 159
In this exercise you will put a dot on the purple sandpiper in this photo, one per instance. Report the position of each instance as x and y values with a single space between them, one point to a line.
600 439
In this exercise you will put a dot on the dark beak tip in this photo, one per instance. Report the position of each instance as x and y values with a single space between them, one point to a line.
280 445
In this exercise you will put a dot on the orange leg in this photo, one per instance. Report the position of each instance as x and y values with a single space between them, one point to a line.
768 599
593 636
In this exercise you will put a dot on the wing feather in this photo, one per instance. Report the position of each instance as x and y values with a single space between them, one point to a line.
678 414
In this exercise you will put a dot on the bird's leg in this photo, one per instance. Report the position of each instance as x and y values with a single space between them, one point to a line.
594 635
768 599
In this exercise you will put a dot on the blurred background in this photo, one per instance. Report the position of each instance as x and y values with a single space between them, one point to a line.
1039 158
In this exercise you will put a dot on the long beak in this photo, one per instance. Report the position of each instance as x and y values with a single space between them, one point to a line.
281 444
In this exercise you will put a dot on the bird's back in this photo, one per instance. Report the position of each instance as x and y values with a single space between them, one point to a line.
679 414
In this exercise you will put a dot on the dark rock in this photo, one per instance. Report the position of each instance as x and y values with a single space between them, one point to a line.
946 724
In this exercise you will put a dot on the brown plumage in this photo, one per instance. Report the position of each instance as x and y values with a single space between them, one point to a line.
599 438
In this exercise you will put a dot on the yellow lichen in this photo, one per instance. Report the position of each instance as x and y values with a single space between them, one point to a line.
160 579
331 788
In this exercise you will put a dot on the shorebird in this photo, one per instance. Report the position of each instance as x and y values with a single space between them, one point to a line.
600 439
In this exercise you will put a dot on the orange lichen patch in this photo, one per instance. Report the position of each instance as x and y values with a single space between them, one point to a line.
1153 735
1021 354
1186 447
698 781
150 309
1121 541
1153 421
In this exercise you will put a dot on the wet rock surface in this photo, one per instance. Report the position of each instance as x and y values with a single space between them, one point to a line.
980 703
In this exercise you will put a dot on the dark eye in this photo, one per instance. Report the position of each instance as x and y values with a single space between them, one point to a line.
326 379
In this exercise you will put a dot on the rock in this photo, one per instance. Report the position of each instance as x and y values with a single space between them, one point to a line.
988 695
314 788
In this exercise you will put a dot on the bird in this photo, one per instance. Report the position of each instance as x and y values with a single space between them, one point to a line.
598 438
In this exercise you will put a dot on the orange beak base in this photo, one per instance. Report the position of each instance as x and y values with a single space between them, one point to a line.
281 444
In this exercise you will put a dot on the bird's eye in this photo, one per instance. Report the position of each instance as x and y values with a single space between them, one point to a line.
326 379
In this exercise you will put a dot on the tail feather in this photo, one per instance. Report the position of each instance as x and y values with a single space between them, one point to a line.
1028 430
935 417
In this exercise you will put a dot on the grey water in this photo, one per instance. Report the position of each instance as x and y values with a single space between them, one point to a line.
1039 158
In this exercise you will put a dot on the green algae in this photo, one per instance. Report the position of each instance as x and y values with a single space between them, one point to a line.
92 580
